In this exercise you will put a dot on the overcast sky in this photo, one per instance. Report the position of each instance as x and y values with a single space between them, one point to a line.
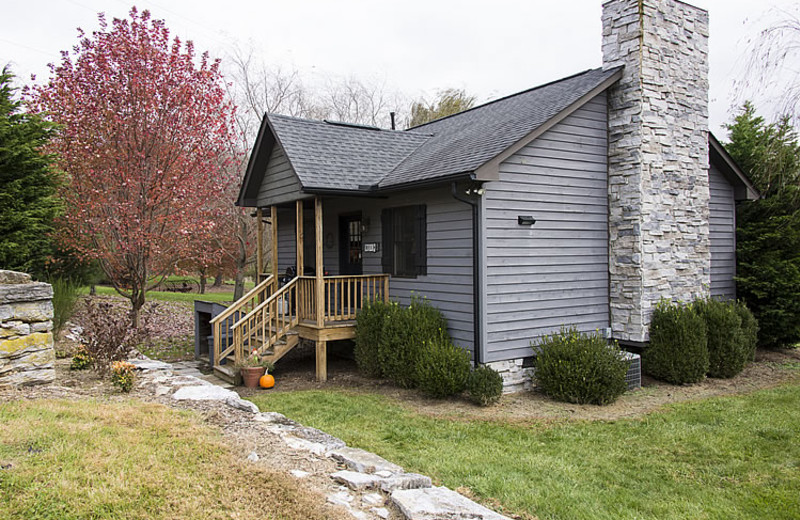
490 49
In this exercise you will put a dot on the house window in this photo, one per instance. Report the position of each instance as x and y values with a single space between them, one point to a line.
405 252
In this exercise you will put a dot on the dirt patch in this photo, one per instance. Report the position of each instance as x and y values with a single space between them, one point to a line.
296 372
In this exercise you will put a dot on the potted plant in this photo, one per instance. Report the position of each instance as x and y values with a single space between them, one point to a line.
252 368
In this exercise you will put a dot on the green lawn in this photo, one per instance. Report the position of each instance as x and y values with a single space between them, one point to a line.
128 459
732 457
171 296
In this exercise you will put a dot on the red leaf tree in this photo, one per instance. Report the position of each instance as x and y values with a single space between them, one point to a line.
145 125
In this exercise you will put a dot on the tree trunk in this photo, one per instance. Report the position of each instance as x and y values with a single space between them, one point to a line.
137 302
218 279
202 282
238 288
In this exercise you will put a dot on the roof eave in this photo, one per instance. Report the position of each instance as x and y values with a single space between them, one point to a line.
742 185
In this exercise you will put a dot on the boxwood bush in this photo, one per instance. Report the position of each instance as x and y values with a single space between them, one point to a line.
443 369
748 335
485 385
580 368
405 331
369 330
728 351
678 351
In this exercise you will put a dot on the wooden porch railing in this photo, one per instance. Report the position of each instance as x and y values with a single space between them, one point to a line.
267 323
222 323
344 295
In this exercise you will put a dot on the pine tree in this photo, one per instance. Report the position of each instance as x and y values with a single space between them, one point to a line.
28 202
768 230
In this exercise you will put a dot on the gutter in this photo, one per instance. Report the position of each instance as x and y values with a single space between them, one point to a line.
476 289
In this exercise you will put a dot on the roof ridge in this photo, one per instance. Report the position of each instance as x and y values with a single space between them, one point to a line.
345 124
512 95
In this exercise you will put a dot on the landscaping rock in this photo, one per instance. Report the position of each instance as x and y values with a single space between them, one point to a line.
359 481
241 404
206 392
253 457
314 435
273 417
355 480
297 443
341 498
381 512
364 461
373 499
150 365
405 481
299 473
438 503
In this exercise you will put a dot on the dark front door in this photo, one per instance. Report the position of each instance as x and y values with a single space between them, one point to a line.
350 244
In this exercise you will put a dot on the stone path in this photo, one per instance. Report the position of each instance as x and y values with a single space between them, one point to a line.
365 485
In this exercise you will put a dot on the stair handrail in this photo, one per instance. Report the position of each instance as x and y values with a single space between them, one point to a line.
238 304
238 334
260 291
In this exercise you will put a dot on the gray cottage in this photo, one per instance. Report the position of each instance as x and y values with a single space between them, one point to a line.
582 201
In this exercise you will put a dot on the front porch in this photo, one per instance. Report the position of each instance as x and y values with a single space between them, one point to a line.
278 312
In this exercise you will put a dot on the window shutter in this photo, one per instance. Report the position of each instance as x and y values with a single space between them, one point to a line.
387 241
421 252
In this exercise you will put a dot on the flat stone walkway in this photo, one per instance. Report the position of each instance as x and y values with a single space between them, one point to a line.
364 485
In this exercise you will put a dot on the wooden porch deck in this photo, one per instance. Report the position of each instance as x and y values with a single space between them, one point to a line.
271 320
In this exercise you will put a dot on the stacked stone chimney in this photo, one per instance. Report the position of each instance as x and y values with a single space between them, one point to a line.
658 158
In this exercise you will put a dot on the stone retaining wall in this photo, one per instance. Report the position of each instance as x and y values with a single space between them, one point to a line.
27 356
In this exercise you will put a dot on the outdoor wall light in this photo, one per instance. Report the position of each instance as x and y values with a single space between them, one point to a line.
526 220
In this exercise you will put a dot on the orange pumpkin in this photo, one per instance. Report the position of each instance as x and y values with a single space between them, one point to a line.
267 381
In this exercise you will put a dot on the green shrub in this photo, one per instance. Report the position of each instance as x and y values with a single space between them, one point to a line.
678 351
443 368
81 360
65 295
580 368
485 385
123 375
369 329
405 331
727 353
748 335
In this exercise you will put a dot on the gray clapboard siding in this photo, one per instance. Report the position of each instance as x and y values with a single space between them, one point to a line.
722 229
556 272
448 284
280 183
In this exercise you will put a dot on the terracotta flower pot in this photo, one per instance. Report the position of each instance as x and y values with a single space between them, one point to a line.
251 375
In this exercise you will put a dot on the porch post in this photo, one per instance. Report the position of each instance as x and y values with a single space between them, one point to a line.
299 241
259 244
274 217
322 345
320 282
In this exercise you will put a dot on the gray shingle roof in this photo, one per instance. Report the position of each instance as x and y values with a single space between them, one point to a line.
334 156
465 141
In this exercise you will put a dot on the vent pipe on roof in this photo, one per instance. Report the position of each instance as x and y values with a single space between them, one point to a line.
391 116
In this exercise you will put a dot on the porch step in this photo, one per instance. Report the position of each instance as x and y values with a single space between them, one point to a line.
228 373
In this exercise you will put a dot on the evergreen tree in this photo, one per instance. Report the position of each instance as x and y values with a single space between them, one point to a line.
28 202
768 230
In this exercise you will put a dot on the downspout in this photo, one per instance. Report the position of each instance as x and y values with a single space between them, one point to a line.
476 289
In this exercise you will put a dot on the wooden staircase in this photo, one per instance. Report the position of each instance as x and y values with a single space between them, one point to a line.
263 321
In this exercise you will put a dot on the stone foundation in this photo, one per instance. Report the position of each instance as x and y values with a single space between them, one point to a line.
27 356
517 378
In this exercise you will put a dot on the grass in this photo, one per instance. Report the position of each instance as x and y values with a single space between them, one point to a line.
731 457
107 460
170 349
168 296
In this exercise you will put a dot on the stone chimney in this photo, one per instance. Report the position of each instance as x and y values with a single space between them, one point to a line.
657 158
